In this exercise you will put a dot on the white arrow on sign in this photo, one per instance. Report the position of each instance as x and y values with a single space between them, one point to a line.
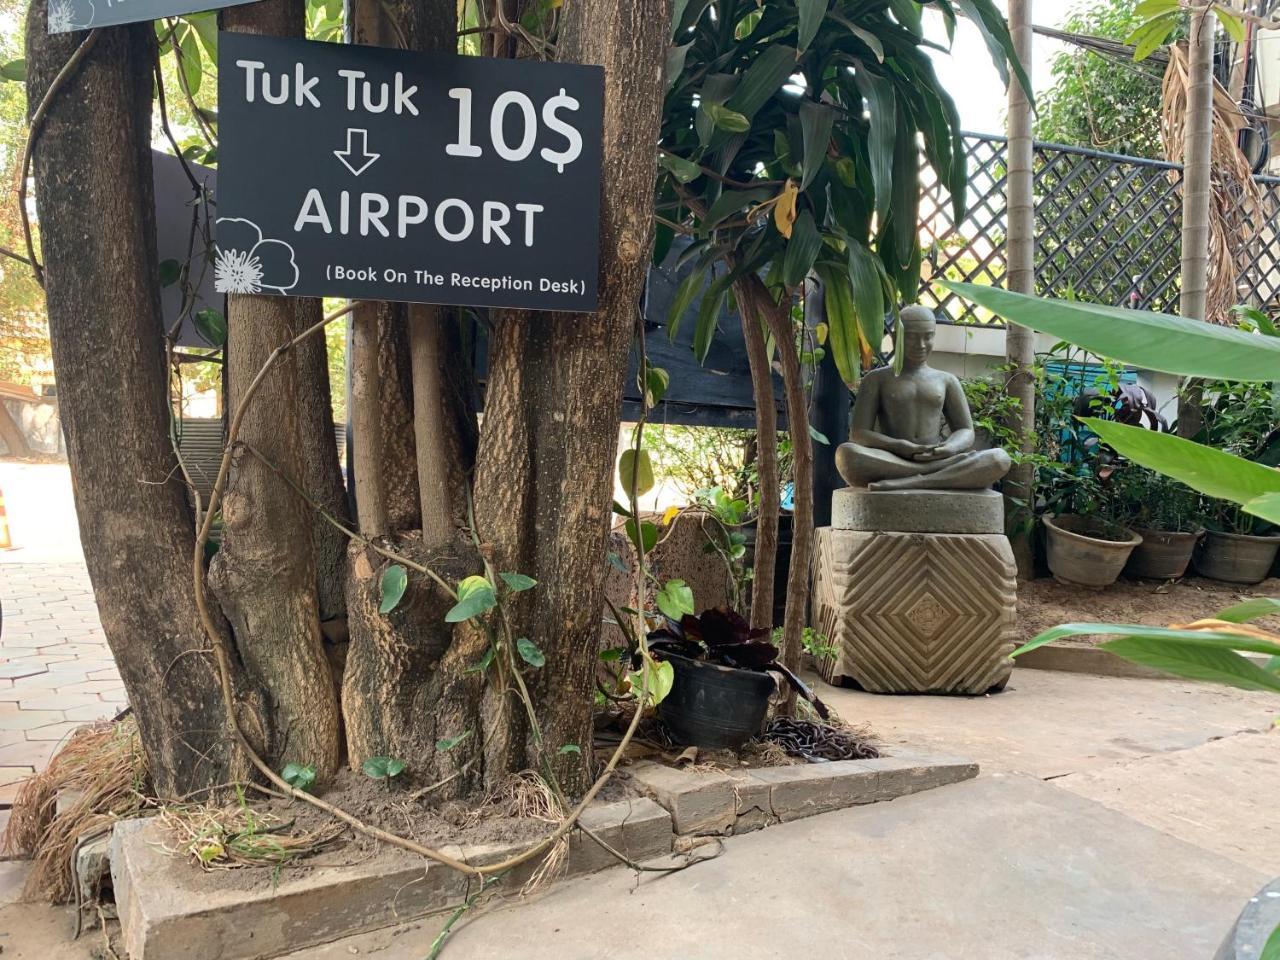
364 159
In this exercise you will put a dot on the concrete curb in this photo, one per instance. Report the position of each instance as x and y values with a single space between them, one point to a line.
166 913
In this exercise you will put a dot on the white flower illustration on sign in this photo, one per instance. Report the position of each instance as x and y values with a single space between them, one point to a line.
245 262
62 16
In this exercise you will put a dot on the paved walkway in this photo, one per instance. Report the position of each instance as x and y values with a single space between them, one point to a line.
56 671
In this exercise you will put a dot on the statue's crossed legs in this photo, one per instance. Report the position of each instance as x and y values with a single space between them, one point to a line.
863 466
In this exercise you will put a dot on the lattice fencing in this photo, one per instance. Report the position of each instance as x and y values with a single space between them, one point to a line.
1108 230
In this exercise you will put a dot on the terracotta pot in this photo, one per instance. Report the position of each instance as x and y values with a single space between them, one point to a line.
1162 554
1236 557
1079 553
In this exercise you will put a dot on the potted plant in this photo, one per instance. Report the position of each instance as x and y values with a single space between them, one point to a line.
1166 515
1240 419
720 695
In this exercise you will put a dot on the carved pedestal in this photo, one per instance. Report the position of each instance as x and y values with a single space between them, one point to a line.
916 612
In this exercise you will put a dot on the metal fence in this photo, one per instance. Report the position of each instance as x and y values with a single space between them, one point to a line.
1107 230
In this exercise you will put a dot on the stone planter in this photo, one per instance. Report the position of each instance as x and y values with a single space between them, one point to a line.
1236 557
1162 554
1080 553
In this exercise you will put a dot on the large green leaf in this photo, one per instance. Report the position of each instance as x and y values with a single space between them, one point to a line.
802 250
816 120
1215 639
708 313
1194 662
1155 341
810 14
763 79
842 330
733 201
1266 506
394 582
1250 610
868 293
882 103
995 32
1202 468
685 292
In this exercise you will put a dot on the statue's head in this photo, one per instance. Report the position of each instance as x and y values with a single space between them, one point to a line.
918 326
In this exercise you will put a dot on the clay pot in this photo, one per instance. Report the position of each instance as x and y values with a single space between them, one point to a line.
1236 557
715 707
1081 553
1162 554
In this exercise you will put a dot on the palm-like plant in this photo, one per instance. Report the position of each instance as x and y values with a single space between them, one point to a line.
791 141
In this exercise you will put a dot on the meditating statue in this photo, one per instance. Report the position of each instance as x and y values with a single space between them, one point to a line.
898 442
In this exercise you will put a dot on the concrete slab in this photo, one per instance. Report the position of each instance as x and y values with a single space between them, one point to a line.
1048 723
999 868
1210 795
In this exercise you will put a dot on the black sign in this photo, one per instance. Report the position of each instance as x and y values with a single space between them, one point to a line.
366 172
66 15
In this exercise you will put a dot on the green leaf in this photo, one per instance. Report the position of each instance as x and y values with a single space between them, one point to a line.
675 599
662 677
995 32
723 118
842 331
1151 36
206 27
382 768
394 582
1202 468
635 471
1155 341
802 250
656 381
868 293
475 597
15 70
810 14
299 776
1257 318
816 121
761 81
1194 662
676 57
685 292
1266 506
1214 639
682 169
1154 8
1271 950
189 61
734 201
708 315
1250 610
483 663
882 104
530 653
445 744
818 436
569 748
648 533
1233 25
170 272
212 326
518 582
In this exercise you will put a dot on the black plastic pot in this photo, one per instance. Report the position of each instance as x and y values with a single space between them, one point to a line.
715 707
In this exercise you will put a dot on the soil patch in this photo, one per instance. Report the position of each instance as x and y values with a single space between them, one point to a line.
1046 603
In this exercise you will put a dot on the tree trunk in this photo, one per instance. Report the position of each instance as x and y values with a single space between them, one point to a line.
365 413
93 168
766 547
549 438
321 475
264 574
1196 195
778 316
395 380
1020 353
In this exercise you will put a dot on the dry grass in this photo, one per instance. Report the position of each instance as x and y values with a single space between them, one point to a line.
526 795
236 835
101 775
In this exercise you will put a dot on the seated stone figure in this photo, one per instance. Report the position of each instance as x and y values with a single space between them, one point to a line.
897 439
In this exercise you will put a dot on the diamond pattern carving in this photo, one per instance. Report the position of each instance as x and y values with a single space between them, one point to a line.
916 613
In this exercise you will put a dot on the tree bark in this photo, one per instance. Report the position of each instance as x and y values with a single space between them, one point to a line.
552 410
778 317
264 574
365 412
765 560
1196 196
93 167
1019 486
321 474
